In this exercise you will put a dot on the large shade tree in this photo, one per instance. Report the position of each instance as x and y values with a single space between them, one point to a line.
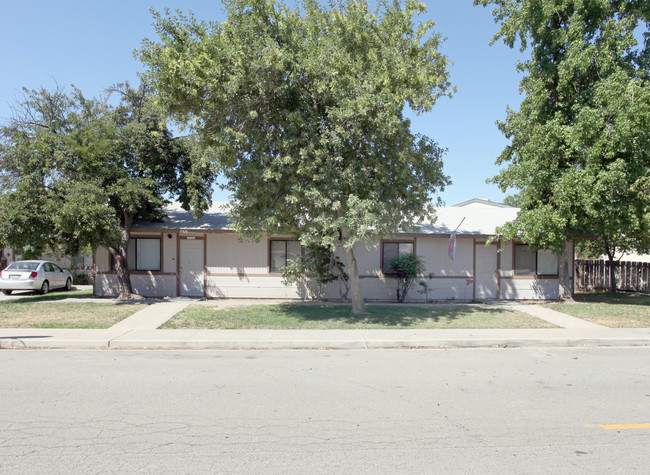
580 141
76 172
304 108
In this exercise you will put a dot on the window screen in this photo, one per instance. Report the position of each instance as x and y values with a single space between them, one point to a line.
391 250
281 253
147 253
524 260
547 262
529 262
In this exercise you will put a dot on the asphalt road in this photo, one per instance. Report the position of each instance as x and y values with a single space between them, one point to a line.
382 411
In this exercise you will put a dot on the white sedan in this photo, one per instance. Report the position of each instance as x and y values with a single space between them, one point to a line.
40 276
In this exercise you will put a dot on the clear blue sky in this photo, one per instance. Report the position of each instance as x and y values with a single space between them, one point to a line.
90 44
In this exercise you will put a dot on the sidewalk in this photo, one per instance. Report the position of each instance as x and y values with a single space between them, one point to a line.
140 331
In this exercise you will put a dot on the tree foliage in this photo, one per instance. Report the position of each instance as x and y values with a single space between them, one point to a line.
512 200
580 146
304 109
76 172
316 267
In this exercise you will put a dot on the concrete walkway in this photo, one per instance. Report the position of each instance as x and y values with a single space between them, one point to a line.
556 318
140 331
151 317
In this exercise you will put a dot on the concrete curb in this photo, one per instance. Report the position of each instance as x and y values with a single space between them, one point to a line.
56 338
369 339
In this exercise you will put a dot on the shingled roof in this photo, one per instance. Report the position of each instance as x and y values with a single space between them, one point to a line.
473 221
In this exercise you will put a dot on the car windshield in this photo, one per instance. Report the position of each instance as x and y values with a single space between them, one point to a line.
23 266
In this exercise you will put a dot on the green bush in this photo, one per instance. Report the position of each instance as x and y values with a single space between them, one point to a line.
83 279
405 269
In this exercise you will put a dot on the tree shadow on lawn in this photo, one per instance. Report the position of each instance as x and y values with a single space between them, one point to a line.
625 298
384 315
57 295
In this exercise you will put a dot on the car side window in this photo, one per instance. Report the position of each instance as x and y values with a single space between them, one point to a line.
47 267
56 268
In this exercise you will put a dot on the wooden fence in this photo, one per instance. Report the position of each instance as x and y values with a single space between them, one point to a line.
594 275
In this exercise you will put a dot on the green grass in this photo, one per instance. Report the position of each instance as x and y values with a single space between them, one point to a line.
620 310
321 316
47 312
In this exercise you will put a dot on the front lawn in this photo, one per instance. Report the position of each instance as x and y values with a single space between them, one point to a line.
328 317
620 310
43 312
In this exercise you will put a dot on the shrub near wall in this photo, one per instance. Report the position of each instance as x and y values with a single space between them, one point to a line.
405 269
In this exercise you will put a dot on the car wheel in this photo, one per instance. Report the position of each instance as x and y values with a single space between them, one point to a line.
6 292
68 284
45 288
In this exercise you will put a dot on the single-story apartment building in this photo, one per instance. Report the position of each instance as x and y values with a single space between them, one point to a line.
206 258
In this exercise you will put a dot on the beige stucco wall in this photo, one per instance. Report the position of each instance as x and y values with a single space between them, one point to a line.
239 269
226 254
529 289
142 284
102 260
434 251
452 279
368 259
384 289
255 287
523 288
169 248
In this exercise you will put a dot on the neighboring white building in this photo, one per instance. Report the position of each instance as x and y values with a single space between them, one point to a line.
630 257
6 257
206 258
78 264
481 203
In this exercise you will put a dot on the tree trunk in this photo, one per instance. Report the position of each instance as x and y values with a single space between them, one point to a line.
119 253
358 307
123 275
566 289
612 272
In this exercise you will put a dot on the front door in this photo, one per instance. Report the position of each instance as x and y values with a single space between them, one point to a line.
192 282
485 280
